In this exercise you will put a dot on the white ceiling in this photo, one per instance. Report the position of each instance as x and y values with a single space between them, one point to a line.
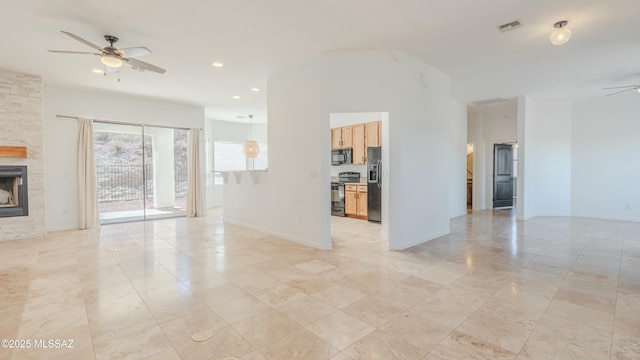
254 38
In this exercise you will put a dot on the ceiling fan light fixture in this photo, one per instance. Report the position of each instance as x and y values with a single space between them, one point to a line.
561 34
111 60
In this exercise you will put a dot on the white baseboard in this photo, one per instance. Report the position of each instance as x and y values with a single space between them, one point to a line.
421 240
276 234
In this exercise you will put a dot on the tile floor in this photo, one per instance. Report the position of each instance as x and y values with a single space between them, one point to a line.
547 288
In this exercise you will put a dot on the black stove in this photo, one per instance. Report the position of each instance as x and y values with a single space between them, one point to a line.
349 177
337 191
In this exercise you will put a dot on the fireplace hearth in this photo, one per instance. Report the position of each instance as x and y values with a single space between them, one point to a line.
14 200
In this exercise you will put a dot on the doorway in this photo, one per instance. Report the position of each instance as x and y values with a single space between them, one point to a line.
357 191
141 172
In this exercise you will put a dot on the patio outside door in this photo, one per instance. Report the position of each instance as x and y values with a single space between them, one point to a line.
141 172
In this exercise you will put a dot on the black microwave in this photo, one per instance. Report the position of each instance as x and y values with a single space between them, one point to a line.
341 156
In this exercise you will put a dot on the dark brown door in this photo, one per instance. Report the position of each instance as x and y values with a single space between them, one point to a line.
502 175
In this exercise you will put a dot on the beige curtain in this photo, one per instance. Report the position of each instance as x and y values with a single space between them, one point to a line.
87 197
195 194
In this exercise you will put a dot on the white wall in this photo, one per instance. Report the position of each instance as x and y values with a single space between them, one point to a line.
293 198
552 158
287 201
458 160
60 138
544 158
605 171
346 119
489 125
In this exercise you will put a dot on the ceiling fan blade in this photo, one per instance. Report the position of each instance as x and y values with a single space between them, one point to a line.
621 91
141 65
134 52
83 41
73 52
620 87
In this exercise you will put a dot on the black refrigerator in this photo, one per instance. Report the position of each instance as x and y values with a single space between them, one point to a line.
374 183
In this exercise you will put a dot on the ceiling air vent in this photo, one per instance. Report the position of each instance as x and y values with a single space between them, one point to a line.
509 26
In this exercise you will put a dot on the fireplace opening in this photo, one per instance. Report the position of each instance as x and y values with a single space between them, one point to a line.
13 191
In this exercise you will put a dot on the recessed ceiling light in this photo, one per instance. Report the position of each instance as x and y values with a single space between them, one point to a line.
241 117
217 64
98 71
255 89
236 97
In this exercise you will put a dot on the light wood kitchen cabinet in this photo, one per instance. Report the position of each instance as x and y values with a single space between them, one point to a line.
361 205
336 138
350 201
372 134
357 137
355 200
341 137
359 149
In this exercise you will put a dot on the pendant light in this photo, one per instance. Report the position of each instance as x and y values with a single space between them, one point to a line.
251 148
561 34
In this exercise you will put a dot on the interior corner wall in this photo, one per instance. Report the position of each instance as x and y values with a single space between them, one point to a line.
60 138
605 173
21 124
458 160
294 199
526 160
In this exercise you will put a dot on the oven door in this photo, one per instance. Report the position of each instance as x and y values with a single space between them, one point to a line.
337 199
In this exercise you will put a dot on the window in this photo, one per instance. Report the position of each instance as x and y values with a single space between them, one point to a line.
229 156
261 163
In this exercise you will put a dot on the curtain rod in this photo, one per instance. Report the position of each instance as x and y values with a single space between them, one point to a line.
126 123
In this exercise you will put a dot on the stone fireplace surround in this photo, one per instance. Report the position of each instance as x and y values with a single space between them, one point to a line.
21 120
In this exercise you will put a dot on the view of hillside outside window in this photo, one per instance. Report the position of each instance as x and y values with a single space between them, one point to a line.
141 172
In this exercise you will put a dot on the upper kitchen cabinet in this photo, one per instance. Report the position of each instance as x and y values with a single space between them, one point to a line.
372 131
341 138
357 137
359 149
364 135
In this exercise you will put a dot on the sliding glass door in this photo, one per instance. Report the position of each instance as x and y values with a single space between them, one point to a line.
165 172
141 172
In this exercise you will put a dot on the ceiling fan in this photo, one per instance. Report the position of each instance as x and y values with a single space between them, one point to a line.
112 57
625 89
